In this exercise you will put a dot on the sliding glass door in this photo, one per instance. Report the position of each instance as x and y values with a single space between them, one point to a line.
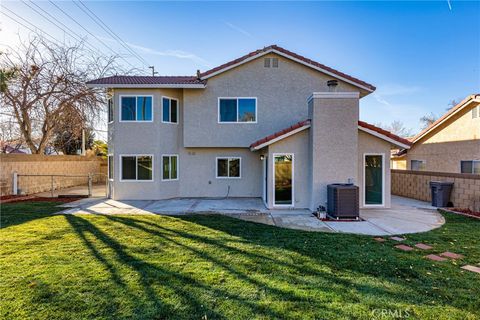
374 179
283 177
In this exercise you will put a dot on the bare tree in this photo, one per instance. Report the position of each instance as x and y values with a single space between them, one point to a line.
428 119
42 84
398 128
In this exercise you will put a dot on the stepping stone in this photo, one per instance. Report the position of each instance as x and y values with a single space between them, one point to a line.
397 238
434 257
451 255
471 268
423 246
403 247
379 239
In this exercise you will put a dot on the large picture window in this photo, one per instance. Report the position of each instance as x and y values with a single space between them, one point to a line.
136 108
170 167
137 167
470 166
228 167
233 110
169 110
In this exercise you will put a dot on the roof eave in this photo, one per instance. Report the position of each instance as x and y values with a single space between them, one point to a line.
159 86
260 54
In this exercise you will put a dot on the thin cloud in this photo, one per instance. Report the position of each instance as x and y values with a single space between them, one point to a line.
180 54
238 29
397 89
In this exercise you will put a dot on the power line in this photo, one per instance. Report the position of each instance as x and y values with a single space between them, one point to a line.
86 30
105 27
20 23
75 35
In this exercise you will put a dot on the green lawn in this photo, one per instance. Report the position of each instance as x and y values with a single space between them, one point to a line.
213 267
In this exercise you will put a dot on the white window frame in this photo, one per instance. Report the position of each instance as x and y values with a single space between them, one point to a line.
423 161
135 96
228 167
170 169
473 166
237 122
170 110
136 155
293 180
383 181
108 166
112 102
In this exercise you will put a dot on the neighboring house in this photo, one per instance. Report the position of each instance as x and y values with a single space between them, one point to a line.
270 124
450 144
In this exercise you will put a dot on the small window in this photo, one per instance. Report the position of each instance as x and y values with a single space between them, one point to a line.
136 108
237 110
170 110
266 62
470 166
137 167
170 167
417 165
228 167
110 109
475 112
110 167
274 62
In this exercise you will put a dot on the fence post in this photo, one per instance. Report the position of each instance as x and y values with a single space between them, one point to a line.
51 188
89 185
15 183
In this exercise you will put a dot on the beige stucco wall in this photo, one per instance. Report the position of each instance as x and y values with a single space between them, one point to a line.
298 145
281 101
368 144
333 140
443 149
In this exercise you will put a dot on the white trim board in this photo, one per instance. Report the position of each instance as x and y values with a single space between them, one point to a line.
283 136
384 137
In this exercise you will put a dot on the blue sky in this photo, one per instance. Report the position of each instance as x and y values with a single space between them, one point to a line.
419 55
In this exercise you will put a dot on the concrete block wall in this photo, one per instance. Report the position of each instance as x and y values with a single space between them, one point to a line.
416 184
28 164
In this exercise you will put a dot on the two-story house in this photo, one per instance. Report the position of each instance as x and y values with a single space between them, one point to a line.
450 144
270 124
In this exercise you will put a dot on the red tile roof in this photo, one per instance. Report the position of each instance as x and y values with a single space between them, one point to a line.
280 133
307 122
384 132
446 115
293 55
149 80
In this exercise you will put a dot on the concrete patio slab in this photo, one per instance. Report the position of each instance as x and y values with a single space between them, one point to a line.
402 218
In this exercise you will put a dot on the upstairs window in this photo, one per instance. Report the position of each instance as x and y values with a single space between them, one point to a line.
169 110
137 167
234 110
110 110
136 108
470 166
228 167
417 165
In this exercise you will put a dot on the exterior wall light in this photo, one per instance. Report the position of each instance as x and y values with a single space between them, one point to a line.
262 157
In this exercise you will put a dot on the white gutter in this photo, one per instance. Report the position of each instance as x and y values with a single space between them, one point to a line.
172 85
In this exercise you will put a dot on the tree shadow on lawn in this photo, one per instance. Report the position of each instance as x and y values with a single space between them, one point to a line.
16 213
275 275
361 255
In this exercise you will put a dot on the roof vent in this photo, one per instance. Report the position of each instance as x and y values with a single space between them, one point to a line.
332 85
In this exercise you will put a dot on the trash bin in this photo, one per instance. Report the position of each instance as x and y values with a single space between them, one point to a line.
441 193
